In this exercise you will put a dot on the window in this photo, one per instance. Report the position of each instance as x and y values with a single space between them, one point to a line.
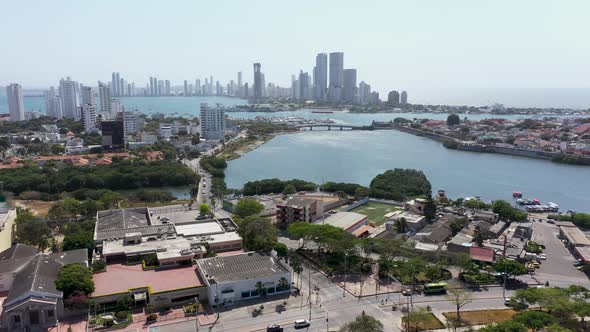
270 290
245 294
50 313
16 319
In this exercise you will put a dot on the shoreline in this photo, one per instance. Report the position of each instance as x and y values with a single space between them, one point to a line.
240 147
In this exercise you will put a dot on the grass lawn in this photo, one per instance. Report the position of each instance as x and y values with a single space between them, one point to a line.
376 211
482 317
430 323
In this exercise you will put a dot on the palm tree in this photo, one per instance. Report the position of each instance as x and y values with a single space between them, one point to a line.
260 288
402 225
295 264
283 284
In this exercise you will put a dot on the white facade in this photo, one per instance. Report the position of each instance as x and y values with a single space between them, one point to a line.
14 96
87 95
212 122
69 98
336 76
53 104
132 122
89 118
364 93
104 96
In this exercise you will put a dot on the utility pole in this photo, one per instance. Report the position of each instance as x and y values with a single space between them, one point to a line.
309 287
197 313
344 288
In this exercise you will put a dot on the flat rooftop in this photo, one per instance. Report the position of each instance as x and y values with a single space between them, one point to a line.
176 214
199 229
121 278
345 220
575 236
122 218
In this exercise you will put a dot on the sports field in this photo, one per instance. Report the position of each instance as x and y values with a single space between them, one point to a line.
376 211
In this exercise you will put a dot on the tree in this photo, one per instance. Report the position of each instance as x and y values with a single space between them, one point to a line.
260 288
459 297
78 240
510 267
361 192
415 318
289 190
74 277
341 194
557 328
535 320
363 323
400 183
258 234
507 326
453 120
402 225
430 209
32 230
296 266
283 284
204 209
248 207
281 250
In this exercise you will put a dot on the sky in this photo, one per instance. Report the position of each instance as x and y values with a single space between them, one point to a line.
393 44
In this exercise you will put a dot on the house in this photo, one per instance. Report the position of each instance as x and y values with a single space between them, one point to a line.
488 216
348 221
33 303
460 243
300 209
413 221
7 217
479 254
244 276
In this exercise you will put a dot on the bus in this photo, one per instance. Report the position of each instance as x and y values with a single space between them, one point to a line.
435 288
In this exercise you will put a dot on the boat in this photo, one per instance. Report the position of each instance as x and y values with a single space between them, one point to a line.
517 194
322 112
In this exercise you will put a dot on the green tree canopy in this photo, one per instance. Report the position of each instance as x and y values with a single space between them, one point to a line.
507 326
289 190
363 323
453 120
32 230
511 267
248 207
400 183
535 320
75 278
258 234
204 209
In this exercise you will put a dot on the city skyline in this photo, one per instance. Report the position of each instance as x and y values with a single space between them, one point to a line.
428 46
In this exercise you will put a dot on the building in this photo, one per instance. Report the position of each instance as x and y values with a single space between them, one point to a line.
336 77
364 93
239 83
16 107
409 221
175 234
393 98
212 122
304 86
348 221
132 122
87 95
52 104
186 92
257 82
113 133
300 209
574 237
230 279
320 76
404 98
7 217
68 92
350 90
104 96
89 118
33 302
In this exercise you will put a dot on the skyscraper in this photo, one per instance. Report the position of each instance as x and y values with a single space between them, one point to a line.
336 77
404 98
198 90
155 86
239 83
349 91
69 98
14 96
185 88
88 117
114 83
87 95
304 86
167 89
104 96
118 85
212 122
122 85
257 82
320 76
364 93
52 104
393 98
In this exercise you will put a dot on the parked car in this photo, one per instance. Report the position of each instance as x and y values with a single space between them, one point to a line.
301 323
274 328
578 262
542 256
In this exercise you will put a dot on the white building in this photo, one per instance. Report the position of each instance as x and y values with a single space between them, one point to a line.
104 96
132 122
336 77
69 98
364 93
212 122
53 104
89 118
14 96
87 95
230 279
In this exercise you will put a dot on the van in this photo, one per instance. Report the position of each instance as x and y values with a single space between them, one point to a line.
301 323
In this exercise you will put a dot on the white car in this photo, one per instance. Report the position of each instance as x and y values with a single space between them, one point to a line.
301 323
542 256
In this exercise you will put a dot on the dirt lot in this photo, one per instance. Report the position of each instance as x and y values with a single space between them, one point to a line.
40 208
482 317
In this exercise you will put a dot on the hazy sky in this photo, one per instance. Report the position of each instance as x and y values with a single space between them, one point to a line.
393 44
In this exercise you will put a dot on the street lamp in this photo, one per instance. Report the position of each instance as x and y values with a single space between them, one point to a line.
197 312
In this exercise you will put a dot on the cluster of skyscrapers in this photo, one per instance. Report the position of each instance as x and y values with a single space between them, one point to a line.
120 87
331 83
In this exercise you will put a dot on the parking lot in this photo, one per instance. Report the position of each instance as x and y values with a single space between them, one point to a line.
559 267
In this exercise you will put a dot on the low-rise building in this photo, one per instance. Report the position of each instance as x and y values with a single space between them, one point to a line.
300 209
348 221
244 276
574 237
413 221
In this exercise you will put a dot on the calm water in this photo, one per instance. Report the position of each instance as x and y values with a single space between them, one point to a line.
357 156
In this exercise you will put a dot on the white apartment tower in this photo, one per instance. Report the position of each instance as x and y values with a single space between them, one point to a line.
212 122
53 104
69 98
89 118
16 107
104 96
87 95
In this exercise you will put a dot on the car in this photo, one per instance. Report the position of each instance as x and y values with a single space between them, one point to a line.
542 256
406 292
551 221
301 323
274 328
578 263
